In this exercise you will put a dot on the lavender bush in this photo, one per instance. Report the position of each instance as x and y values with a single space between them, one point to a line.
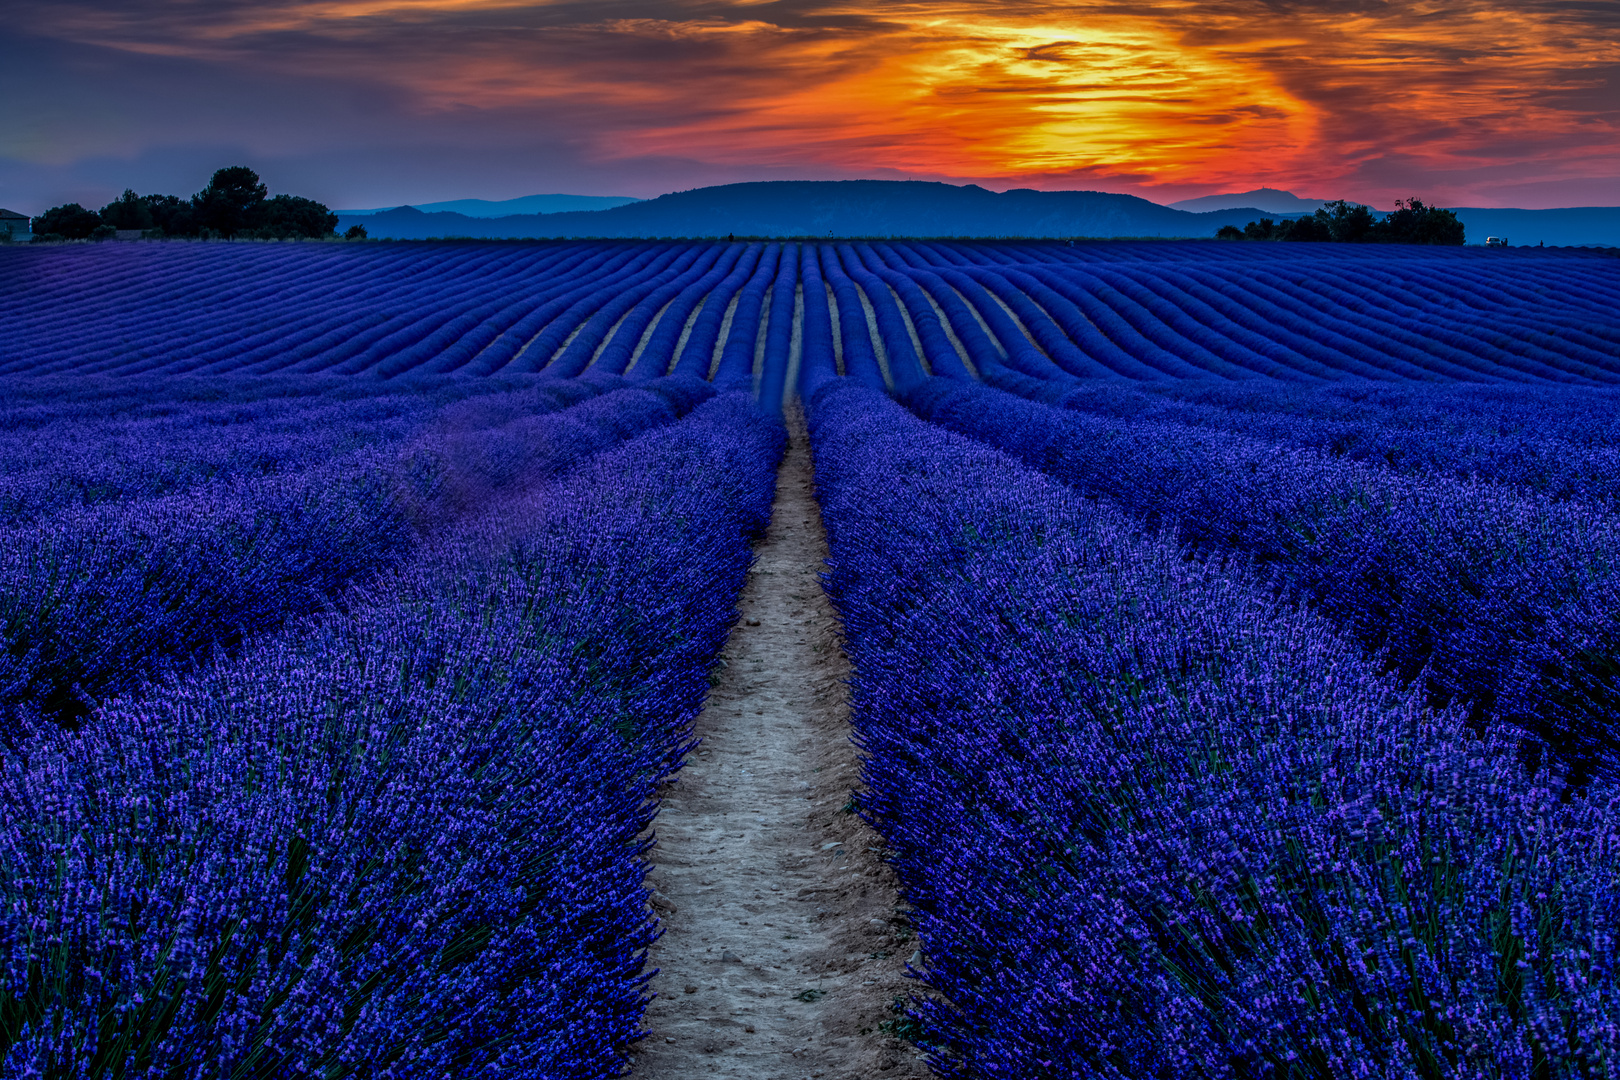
1486 596
1158 823
93 601
403 840
1558 444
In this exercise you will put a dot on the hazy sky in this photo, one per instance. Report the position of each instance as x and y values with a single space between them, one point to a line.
379 102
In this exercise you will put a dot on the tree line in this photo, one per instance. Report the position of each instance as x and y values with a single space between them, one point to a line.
235 204
1411 222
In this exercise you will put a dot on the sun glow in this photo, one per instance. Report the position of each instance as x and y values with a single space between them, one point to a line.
962 98
1112 96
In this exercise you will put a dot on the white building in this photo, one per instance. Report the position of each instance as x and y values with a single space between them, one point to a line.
17 223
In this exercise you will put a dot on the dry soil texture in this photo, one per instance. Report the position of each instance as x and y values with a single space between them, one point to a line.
784 943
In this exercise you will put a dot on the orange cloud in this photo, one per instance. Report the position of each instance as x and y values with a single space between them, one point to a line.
970 96
1318 95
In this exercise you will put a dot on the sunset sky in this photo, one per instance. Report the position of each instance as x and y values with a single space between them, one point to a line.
380 102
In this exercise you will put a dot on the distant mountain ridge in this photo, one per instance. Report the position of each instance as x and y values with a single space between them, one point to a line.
1270 200
909 208
527 204
832 207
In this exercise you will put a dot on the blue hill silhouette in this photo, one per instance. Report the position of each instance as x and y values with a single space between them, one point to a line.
913 208
836 207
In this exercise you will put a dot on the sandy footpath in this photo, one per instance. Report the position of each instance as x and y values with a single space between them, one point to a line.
784 945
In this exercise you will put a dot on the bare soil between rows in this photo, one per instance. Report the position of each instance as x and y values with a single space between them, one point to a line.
784 942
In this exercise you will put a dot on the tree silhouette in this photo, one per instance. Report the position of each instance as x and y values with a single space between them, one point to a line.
1411 222
286 217
1347 222
70 222
172 214
1264 229
128 211
231 202
234 203
1311 228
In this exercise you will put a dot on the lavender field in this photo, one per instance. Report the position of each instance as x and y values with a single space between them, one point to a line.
1233 630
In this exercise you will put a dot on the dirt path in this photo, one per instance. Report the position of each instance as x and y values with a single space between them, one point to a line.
783 946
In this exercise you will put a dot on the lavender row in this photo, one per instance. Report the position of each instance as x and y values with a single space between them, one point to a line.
627 318
1449 444
95 600
405 841
1373 321
149 437
1572 282
435 315
783 331
377 321
1155 822
671 322
440 334
1587 418
740 349
1184 319
526 341
1178 311
565 347
325 299
62 464
562 324
699 354
157 279
435 327
1212 326
855 345
33 402
1502 602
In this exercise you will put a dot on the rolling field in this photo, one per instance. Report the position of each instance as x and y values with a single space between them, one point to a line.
1233 636
1145 312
